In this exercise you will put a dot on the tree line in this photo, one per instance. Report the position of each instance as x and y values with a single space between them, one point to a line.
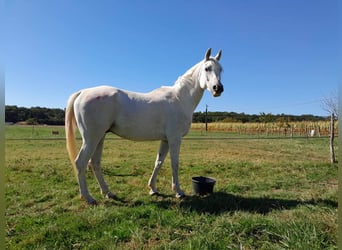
34 115
202 117
55 116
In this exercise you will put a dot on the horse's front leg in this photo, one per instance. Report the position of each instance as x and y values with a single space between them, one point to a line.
163 149
174 153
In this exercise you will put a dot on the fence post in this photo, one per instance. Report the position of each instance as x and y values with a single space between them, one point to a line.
206 119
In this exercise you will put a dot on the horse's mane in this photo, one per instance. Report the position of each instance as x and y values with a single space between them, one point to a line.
190 72
187 77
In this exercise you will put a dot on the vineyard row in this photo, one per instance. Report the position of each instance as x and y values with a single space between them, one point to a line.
293 129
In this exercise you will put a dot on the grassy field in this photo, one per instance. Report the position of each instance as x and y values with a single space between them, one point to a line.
270 194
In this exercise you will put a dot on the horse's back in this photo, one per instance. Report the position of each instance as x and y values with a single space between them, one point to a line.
136 116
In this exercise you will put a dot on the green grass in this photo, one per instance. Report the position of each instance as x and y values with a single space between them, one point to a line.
270 194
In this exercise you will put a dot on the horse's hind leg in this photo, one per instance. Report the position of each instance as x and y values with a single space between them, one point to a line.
81 164
163 149
95 163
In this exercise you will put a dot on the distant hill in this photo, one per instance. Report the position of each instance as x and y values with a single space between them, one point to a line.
52 116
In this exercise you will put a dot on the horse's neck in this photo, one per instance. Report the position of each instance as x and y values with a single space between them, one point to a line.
189 89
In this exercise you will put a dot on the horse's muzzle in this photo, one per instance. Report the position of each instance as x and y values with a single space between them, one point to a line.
217 90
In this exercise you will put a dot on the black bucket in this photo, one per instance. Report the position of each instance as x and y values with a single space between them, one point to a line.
203 185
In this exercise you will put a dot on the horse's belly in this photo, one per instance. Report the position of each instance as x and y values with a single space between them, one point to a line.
139 127
137 133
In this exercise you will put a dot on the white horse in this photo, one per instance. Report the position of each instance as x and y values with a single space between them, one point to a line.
164 114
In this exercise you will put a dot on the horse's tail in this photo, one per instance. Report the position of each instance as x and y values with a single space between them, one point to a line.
70 125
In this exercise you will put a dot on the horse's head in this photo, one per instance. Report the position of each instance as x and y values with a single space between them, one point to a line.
210 76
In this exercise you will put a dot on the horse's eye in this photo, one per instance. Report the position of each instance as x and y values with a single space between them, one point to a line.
207 69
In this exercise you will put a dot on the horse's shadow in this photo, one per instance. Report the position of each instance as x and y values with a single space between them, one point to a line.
220 202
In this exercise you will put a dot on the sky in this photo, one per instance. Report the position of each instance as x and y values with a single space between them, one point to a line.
278 56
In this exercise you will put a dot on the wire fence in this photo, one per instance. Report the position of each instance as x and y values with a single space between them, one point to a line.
198 131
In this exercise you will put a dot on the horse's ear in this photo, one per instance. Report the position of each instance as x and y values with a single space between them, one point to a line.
218 56
207 55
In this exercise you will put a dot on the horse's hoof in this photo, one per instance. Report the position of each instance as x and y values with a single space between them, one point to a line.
153 193
90 201
180 196
110 195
